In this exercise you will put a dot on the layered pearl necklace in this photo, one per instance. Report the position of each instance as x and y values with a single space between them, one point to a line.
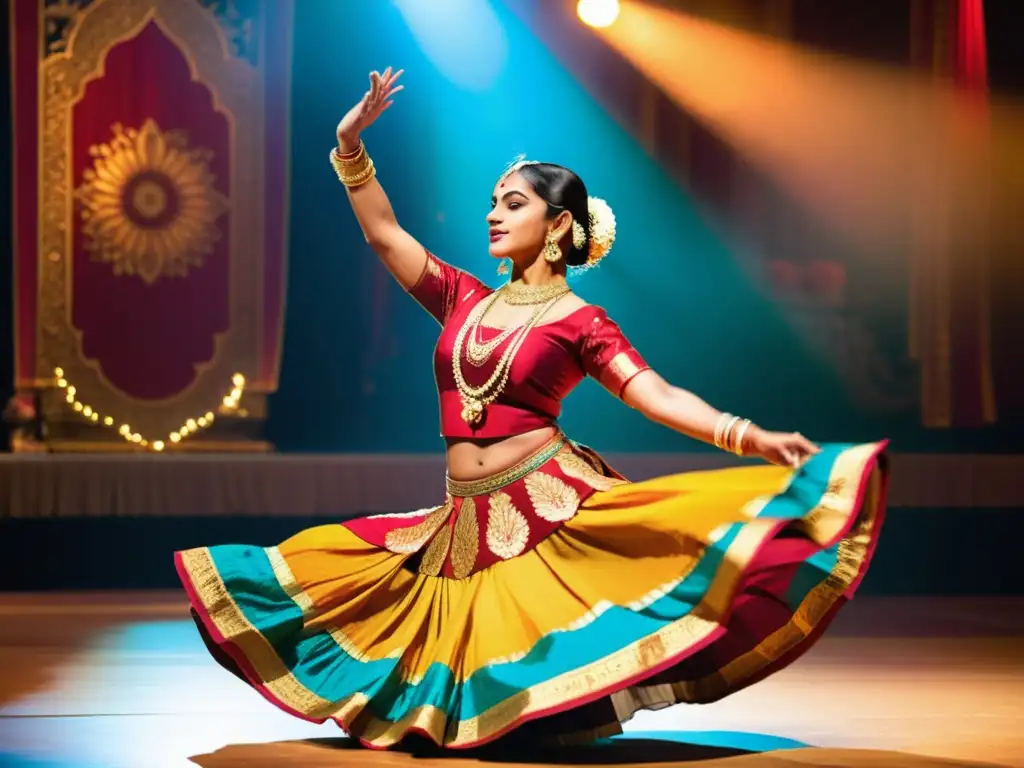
475 399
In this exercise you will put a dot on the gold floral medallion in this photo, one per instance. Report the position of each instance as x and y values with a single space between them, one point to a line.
149 206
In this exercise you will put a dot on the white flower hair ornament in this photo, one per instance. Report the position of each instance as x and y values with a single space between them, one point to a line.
602 233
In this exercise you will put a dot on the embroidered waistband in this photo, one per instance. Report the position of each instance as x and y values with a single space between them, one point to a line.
485 485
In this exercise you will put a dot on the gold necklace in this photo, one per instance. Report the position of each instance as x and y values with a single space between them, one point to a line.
475 399
478 352
521 294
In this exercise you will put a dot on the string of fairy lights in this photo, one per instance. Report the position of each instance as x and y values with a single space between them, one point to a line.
191 426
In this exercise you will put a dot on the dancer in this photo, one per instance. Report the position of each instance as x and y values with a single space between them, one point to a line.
545 598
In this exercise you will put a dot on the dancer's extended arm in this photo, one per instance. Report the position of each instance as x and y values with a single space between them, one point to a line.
401 253
609 357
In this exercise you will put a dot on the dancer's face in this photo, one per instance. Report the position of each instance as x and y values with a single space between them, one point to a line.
518 223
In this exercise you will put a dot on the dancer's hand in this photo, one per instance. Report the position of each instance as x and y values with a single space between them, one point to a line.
787 449
369 108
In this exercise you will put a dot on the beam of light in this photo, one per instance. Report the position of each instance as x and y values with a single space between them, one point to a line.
598 13
671 268
855 143
464 39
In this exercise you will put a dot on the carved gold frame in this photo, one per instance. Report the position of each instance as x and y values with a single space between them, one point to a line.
237 91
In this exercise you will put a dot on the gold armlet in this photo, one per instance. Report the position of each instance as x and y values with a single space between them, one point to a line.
355 170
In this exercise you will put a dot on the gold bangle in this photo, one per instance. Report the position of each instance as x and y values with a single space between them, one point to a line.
741 432
353 171
730 441
360 178
348 167
727 433
350 158
717 440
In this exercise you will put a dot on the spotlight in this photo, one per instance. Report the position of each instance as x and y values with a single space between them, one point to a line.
598 13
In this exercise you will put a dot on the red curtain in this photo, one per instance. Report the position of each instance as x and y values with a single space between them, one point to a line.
973 401
972 55
949 295
148 337
25 127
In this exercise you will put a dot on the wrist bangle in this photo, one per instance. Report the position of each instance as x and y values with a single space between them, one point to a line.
728 432
740 434
349 156
720 428
353 170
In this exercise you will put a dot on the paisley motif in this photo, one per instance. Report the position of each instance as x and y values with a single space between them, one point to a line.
553 500
508 531
466 540
434 555
405 541
576 467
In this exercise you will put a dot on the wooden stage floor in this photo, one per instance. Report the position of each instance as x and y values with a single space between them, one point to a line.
123 681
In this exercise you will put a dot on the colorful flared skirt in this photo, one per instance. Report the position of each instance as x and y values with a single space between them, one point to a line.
550 602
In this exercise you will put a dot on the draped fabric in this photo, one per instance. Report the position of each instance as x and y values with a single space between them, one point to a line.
950 319
973 389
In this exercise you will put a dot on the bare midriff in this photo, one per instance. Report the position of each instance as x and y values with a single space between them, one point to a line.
477 459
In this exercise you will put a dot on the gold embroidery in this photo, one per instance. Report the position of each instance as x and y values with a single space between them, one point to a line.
836 487
434 555
487 485
235 628
620 369
466 540
650 651
405 541
401 515
625 663
852 552
507 528
552 499
433 268
576 467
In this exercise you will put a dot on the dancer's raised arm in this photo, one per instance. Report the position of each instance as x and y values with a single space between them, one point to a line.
404 257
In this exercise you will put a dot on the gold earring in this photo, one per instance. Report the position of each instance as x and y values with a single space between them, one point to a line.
552 253
503 267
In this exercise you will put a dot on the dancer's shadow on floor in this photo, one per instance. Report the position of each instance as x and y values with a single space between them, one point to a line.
634 748
652 747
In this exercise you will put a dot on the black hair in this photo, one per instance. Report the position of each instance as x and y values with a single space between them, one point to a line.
562 190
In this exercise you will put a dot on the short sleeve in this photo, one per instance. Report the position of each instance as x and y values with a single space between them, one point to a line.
608 356
440 286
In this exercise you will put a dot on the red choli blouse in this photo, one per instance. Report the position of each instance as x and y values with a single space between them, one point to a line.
553 359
